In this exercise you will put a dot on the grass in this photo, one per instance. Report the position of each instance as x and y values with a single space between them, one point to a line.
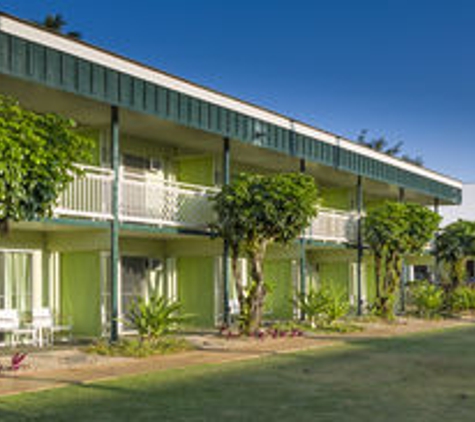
427 377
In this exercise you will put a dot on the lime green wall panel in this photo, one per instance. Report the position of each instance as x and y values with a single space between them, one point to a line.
197 170
95 135
335 275
370 282
337 198
142 247
23 240
195 278
78 241
80 291
278 303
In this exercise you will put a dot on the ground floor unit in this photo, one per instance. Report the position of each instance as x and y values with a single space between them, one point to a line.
66 268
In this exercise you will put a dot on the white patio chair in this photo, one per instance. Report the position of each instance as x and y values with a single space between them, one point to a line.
46 327
234 309
11 328
65 327
42 323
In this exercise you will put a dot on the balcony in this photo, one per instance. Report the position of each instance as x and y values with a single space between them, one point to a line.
333 226
146 199
142 199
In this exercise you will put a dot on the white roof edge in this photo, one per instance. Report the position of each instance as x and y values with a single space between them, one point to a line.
82 50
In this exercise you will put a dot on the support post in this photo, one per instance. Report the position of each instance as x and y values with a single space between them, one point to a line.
402 290
114 334
402 194
226 180
303 255
436 263
359 245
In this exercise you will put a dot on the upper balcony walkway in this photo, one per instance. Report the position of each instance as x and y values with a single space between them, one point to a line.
147 199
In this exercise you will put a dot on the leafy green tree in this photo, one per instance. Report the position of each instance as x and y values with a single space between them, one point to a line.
454 244
37 156
56 23
255 211
393 231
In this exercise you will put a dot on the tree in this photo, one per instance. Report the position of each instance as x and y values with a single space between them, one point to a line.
382 145
37 156
255 211
56 23
453 246
392 231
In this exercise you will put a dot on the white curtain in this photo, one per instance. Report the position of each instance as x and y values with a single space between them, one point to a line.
16 281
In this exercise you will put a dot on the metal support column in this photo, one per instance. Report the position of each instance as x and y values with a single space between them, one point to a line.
402 284
303 255
359 245
226 180
436 263
402 194
114 334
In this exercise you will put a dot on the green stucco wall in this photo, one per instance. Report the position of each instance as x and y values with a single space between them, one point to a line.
195 279
95 135
335 275
336 198
278 303
80 291
197 170
370 282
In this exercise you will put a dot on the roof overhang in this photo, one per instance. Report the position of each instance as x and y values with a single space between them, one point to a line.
29 52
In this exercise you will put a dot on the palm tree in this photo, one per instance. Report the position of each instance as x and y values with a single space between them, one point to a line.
379 144
382 145
56 23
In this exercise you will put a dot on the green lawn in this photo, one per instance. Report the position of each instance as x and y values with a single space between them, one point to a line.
419 378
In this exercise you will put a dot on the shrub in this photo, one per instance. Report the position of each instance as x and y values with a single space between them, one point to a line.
462 299
383 307
322 307
427 298
155 317
139 348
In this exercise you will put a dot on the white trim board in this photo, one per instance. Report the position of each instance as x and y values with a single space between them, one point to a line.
88 52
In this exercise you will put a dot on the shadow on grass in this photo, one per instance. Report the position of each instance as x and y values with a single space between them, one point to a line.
421 377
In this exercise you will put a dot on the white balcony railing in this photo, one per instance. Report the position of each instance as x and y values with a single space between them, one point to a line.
333 226
88 195
144 199
149 200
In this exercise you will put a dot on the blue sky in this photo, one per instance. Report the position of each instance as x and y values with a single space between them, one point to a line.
399 68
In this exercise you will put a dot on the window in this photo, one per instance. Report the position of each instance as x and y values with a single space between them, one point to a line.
421 272
140 276
16 281
142 164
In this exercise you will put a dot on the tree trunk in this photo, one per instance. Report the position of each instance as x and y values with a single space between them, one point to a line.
258 293
5 227
377 274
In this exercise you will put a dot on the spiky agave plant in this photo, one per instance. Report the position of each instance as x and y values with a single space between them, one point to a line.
155 317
